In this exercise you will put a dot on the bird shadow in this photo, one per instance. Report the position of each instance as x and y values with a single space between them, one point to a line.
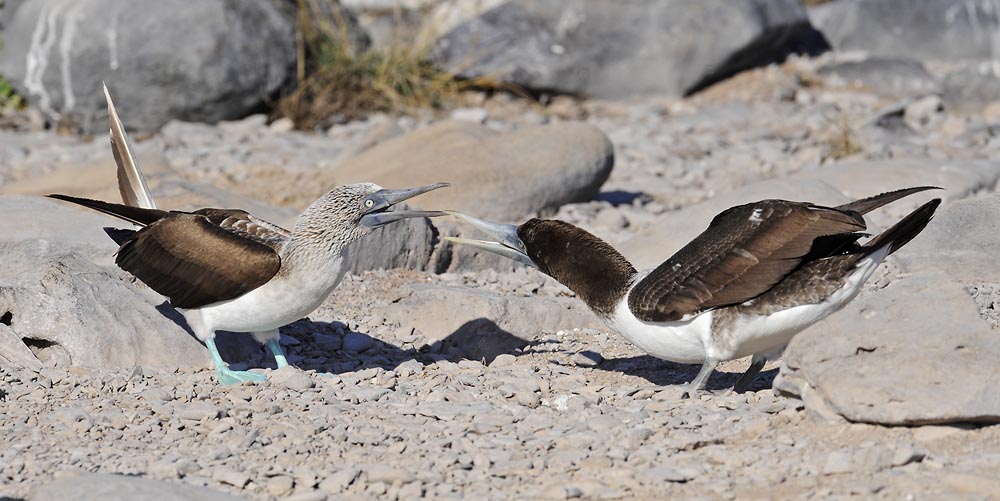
663 373
320 346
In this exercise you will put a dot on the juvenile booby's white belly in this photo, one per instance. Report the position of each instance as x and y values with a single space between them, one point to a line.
279 302
760 334
682 341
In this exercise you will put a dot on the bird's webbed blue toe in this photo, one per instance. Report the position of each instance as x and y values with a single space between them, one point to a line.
228 376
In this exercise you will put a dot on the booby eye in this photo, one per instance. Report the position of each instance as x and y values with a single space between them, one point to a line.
369 203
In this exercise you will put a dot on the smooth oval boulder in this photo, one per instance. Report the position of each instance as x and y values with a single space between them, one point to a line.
231 58
616 49
914 352
494 175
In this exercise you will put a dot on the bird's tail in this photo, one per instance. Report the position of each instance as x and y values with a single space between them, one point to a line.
134 215
866 205
131 183
904 231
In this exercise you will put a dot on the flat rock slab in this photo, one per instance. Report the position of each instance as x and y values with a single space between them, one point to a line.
963 241
107 487
916 352
616 49
501 176
483 325
658 241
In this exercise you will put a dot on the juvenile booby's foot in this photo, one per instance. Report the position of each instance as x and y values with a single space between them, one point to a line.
228 377
756 364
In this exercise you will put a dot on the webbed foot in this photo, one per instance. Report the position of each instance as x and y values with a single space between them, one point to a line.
228 377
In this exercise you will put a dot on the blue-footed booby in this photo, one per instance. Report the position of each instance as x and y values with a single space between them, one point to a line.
225 269
761 273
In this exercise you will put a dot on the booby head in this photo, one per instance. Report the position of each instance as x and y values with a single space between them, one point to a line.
354 210
589 266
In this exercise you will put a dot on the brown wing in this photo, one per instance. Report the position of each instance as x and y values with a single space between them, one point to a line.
743 253
196 262
246 224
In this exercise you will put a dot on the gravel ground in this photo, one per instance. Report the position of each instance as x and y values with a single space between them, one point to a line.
377 411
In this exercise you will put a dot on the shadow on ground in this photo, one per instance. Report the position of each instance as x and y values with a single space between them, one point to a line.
664 373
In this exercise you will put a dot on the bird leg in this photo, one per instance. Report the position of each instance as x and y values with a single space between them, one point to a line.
270 338
756 364
701 380
279 356
222 370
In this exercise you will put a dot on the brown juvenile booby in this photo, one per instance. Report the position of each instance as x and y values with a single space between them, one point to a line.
760 273
225 269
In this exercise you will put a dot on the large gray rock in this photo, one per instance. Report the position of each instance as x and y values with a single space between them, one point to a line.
231 57
921 29
963 241
109 487
63 302
972 87
890 76
617 49
915 352
500 176
660 240
484 324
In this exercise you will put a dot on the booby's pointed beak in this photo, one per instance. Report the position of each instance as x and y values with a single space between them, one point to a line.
504 240
382 200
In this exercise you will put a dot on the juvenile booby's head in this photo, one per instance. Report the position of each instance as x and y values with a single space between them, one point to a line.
589 266
352 211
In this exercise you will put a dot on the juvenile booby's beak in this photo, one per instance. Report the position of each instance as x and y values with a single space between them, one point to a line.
505 241
382 200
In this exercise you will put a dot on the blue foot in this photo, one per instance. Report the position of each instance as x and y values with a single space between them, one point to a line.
228 377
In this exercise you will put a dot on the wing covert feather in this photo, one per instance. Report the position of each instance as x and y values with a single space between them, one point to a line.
743 253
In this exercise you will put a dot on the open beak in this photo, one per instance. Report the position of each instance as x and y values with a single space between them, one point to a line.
377 216
503 239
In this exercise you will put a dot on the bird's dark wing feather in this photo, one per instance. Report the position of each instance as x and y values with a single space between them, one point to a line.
246 224
743 253
195 261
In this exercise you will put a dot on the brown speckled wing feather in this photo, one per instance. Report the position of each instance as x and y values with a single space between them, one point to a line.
744 252
246 224
196 261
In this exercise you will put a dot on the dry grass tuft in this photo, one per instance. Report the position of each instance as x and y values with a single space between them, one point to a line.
842 142
337 83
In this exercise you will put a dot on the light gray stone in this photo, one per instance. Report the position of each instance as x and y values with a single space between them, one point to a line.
614 50
107 487
292 378
886 75
888 358
963 240
921 29
233 56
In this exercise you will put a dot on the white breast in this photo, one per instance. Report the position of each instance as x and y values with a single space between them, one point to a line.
682 341
284 299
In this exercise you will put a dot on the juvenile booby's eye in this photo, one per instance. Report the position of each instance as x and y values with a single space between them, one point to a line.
369 203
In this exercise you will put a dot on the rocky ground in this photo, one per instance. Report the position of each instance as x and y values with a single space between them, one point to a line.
514 390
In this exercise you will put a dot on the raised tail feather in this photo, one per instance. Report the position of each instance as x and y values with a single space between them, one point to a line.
904 231
134 215
866 205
